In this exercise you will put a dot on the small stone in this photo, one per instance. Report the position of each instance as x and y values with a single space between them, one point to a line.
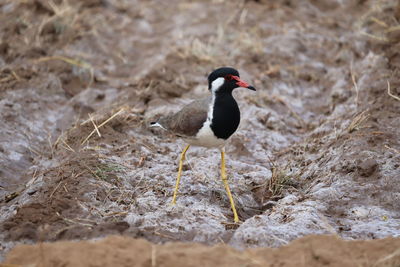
367 167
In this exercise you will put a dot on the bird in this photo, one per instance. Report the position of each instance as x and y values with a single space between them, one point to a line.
208 122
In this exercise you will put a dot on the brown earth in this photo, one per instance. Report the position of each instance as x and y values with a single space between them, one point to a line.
124 251
317 151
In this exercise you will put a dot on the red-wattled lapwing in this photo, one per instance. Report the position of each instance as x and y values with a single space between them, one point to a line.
209 122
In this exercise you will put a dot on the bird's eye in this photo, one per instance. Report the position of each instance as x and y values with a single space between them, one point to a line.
228 77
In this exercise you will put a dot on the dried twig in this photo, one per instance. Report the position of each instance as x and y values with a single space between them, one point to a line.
396 254
50 144
153 256
68 147
72 221
15 75
353 79
116 213
9 77
94 124
392 149
375 37
55 189
102 124
379 22
393 29
390 93
164 235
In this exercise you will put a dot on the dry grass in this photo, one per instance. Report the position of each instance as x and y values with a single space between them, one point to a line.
228 43
248 41
74 62
51 31
358 121
65 16
279 181
208 50
104 170
204 51
7 74
96 128
376 24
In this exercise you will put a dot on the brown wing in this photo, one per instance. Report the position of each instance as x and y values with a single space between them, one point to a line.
189 120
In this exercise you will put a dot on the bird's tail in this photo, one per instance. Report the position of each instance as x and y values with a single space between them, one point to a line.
156 124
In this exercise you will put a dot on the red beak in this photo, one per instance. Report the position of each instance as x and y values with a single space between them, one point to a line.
242 83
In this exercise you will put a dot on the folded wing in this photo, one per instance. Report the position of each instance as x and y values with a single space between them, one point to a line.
189 120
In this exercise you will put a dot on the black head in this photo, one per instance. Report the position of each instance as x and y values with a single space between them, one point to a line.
226 79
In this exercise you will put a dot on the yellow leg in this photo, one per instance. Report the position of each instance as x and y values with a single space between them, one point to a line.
178 179
228 191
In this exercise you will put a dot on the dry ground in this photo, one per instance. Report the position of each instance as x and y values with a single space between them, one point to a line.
317 151
117 251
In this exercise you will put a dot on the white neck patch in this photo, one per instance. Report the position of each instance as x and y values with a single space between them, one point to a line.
206 137
216 84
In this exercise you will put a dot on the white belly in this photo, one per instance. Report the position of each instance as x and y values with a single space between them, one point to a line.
206 138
